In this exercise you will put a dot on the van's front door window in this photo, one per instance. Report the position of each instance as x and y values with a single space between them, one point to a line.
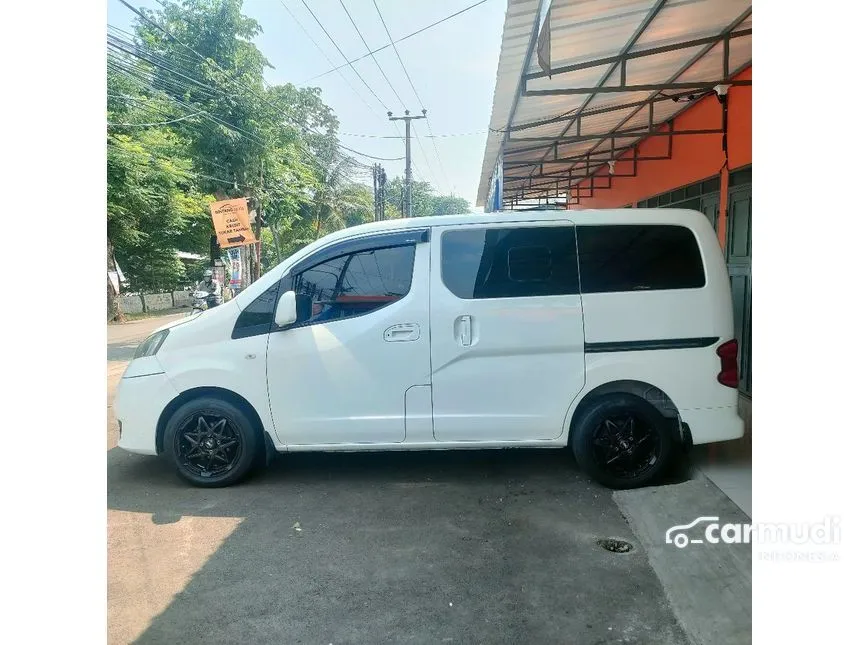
355 284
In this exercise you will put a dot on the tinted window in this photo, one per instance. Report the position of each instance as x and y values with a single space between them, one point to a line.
510 262
257 317
634 258
354 284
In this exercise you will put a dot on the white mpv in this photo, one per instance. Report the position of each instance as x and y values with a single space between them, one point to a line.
609 332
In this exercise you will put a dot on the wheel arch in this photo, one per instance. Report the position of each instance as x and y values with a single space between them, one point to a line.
216 392
649 393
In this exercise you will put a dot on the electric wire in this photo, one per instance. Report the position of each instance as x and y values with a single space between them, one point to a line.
420 102
378 66
414 33
144 125
322 51
340 51
304 128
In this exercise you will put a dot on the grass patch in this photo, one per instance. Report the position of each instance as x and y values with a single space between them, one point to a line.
151 314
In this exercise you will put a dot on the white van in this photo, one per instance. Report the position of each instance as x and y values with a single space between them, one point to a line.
609 332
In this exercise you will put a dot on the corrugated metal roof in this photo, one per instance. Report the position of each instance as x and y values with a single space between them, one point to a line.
585 33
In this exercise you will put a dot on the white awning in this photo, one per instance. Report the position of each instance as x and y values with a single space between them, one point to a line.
620 69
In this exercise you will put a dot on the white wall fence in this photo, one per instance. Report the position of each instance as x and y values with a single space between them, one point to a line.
154 302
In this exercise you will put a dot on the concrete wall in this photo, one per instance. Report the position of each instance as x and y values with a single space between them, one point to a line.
182 299
131 304
157 301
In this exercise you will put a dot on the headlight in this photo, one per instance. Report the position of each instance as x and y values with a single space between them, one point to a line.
151 345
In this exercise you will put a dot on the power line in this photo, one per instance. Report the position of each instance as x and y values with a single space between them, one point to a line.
301 126
434 136
260 141
189 174
379 49
179 171
237 129
438 157
388 33
336 46
159 111
207 162
379 67
322 51
144 125
420 102
136 53
130 38
371 156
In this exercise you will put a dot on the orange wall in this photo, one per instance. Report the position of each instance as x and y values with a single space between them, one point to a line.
694 157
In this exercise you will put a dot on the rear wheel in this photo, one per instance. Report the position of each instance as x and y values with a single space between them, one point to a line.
623 442
211 442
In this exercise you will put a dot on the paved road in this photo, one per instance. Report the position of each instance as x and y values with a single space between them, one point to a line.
468 547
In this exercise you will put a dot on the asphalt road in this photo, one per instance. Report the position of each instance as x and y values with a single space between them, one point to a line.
467 547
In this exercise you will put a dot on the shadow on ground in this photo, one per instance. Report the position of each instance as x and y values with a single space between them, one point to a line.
441 547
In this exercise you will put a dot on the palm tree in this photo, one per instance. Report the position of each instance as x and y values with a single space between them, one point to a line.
338 200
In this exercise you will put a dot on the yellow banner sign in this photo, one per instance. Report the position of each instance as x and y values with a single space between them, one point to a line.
232 223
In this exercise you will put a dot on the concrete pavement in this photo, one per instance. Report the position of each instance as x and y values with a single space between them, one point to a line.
472 547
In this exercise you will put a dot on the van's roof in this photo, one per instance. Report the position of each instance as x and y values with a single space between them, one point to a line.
689 218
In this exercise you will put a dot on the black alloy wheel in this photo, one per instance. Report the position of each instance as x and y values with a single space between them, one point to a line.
208 447
626 445
622 441
211 442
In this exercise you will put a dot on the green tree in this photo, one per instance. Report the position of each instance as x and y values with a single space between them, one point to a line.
425 202
193 67
448 205
336 197
422 194
253 141
153 208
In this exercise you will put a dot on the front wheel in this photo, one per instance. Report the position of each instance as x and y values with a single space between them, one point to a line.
211 443
623 442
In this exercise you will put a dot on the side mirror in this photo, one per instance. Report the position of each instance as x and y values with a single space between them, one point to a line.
285 313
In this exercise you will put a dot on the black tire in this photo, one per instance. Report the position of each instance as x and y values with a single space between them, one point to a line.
211 443
622 441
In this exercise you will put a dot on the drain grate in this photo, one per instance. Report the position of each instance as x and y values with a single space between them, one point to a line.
615 546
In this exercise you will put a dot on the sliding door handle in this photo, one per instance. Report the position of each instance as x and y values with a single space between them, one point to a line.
463 330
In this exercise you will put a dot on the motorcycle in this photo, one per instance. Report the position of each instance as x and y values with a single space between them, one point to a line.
203 300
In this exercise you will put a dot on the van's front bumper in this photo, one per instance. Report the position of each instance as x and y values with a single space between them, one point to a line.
139 402
709 425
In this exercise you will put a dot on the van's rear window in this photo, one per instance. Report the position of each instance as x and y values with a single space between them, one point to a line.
638 257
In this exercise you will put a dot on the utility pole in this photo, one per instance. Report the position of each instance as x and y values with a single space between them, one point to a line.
375 192
257 227
259 222
408 119
382 181
379 180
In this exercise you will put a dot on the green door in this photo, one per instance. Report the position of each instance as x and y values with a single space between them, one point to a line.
739 260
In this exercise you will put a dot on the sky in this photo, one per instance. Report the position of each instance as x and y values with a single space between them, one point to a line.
452 65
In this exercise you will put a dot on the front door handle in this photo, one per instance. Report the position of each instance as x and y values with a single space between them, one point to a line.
401 333
463 330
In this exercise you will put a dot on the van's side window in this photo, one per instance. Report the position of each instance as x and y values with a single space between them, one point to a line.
518 262
638 257
257 317
355 284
